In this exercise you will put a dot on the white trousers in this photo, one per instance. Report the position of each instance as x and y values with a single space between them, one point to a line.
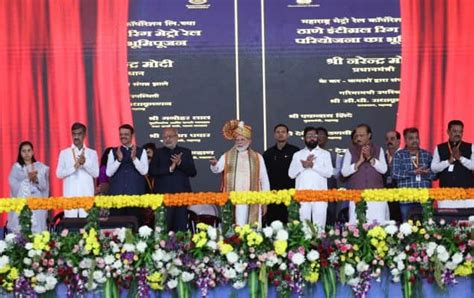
74 213
376 211
456 204
314 212
242 215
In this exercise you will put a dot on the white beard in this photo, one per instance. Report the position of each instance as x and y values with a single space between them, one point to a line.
242 149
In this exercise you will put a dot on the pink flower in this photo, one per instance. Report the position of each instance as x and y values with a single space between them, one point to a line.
64 232
411 259
51 262
425 259
301 250
290 254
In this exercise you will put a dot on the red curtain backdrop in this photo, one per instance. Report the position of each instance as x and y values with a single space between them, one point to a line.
43 80
110 72
437 84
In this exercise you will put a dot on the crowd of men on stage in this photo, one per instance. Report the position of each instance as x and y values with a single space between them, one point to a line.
132 170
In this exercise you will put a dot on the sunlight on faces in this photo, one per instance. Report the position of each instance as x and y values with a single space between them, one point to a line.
170 138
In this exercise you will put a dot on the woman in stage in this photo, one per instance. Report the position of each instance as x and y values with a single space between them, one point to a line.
28 178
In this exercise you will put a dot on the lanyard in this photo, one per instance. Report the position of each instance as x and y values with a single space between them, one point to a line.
450 149
415 160
74 153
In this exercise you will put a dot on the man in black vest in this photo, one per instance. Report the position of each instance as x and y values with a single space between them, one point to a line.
454 161
126 166
171 167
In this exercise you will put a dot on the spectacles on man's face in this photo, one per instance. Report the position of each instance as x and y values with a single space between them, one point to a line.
309 136
167 137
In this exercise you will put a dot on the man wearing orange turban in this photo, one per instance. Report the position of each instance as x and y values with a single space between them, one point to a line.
242 170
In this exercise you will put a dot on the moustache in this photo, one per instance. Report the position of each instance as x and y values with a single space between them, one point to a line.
390 143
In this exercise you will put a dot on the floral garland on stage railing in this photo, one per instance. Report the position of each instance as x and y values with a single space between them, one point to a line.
200 198
292 258
285 197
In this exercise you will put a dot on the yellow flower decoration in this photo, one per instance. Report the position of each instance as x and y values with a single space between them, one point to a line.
262 197
12 204
420 195
41 240
92 243
465 269
153 201
280 247
200 239
224 248
155 281
254 239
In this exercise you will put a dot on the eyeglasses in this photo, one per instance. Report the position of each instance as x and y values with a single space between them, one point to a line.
311 136
169 137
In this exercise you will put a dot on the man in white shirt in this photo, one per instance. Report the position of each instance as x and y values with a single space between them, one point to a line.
77 166
454 163
244 170
311 167
127 166
364 165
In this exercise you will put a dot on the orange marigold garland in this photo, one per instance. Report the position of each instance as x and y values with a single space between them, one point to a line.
332 195
60 203
199 198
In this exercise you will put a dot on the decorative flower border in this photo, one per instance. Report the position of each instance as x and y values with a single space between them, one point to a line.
290 257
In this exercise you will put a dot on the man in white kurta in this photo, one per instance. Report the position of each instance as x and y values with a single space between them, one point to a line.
453 161
77 167
243 170
364 165
311 167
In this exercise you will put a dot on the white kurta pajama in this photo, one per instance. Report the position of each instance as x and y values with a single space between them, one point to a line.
312 179
77 182
376 211
242 182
